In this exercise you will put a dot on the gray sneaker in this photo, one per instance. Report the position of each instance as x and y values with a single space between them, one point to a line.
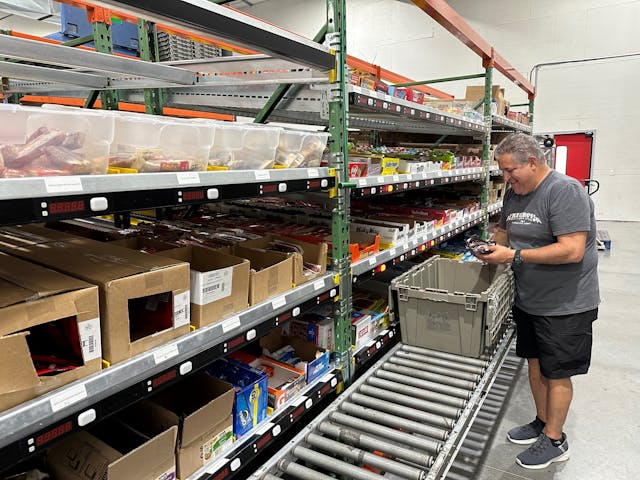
526 434
543 453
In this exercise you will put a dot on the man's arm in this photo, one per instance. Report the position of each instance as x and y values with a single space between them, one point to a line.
569 248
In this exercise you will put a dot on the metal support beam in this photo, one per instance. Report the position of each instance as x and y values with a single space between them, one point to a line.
103 44
148 47
486 146
441 80
91 99
36 73
531 105
78 41
446 16
282 89
439 141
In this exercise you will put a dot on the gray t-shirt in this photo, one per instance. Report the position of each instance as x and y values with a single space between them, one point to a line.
559 205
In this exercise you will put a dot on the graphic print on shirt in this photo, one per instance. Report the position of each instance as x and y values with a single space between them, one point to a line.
523 218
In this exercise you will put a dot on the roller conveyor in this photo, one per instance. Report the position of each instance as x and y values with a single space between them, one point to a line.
407 416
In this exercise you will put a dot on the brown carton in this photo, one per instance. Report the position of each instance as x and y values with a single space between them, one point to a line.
144 299
271 272
141 244
115 451
31 297
315 254
201 407
219 283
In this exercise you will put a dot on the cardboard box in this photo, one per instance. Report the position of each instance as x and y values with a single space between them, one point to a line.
30 298
497 93
250 385
311 359
271 273
313 328
360 329
114 452
29 235
284 381
219 283
144 245
201 407
315 254
144 299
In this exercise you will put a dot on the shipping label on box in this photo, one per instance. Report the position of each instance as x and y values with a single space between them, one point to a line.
214 445
208 287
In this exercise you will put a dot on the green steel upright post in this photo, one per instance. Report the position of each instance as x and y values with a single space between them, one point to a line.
148 46
338 106
486 144
531 100
102 42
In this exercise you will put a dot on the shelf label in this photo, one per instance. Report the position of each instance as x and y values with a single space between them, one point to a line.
208 287
313 173
230 324
372 261
318 285
217 465
362 182
393 252
264 428
165 353
67 397
181 309
63 184
396 178
188 178
279 302
299 401
90 340
409 177
262 174
381 179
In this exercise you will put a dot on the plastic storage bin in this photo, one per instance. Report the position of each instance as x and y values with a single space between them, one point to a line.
298 149
452 306
38 142
149 143
259 150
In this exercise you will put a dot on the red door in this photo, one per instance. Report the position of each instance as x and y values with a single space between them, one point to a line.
578 153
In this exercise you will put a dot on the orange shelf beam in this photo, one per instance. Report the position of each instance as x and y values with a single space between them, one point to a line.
446 16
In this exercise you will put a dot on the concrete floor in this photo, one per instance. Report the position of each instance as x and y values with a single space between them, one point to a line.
603 427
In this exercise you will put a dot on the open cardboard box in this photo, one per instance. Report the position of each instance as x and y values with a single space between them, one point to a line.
144 299
314 253
201 407
44 313
142 244
219 283
115 450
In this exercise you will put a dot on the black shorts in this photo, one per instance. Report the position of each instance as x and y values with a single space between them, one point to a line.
561 343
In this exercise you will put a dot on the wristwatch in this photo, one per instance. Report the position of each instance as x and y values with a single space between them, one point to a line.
517 258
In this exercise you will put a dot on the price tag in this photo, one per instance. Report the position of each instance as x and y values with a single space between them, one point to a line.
326 378
165 353
63 184
381 179
393 252
262 174
299 401
230 324
409 177
313 173
279 302
440 173
362 182
318 285
372 261
396 178
67 397
217 465
264 428
188 178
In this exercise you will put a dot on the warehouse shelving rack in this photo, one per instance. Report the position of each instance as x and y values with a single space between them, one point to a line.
320 96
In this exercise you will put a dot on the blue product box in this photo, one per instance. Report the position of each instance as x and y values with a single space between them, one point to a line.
250 384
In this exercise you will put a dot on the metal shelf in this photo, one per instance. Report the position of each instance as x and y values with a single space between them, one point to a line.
38 199
382 185
31 427
376 347
265 434
378 263
507 123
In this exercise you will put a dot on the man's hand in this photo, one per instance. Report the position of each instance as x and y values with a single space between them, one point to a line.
498 254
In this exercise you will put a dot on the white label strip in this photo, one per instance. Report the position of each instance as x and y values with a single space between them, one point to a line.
372 261
362 182
217 465
262 174
396 178
383 333
90 339
67 397
63 184
381 180
230 324
393 252
318 285
264 428
165 353
299 401
188 178
313 173
326 378
278 303
181 309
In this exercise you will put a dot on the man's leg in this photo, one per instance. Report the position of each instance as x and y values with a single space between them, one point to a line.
539 388
559 395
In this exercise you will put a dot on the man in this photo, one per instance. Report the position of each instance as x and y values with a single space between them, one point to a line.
547 233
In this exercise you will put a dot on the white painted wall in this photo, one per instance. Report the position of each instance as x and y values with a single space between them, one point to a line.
596 96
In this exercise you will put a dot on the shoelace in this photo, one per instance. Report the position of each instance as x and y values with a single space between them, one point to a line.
540 445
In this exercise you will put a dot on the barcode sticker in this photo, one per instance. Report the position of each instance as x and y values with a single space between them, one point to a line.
207 287
318 285
165 353
230 324
188 178
313 173
63 184
67 397
279 303
181 309
90 340
262 174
